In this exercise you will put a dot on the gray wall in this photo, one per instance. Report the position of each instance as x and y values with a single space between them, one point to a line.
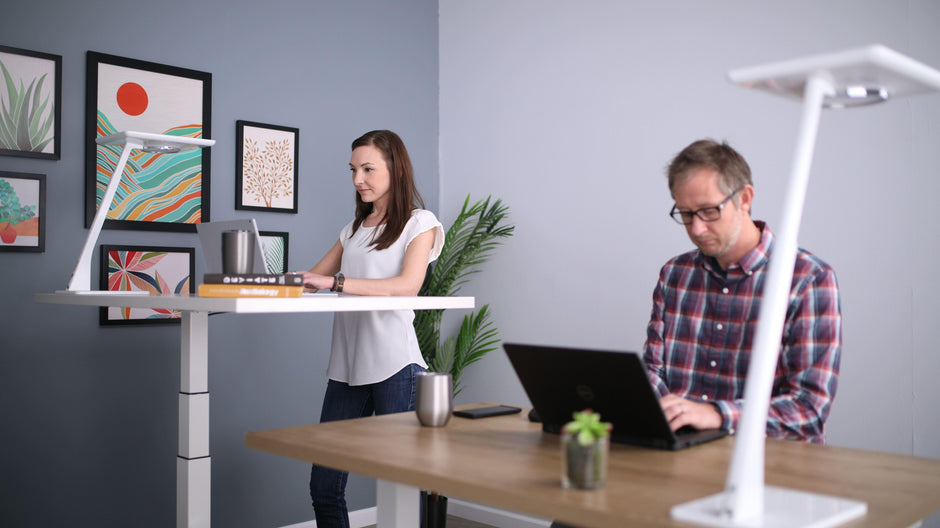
89 435
570 110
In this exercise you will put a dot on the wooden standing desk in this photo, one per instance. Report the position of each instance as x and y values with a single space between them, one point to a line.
507 462
193 463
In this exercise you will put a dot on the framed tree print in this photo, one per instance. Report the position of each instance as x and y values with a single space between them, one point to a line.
274 249
266 167
153 270
22 212
159 191
30 103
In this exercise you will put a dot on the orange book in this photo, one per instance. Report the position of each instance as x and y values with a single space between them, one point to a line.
249 290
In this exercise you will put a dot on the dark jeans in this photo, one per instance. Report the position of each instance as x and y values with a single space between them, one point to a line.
342 402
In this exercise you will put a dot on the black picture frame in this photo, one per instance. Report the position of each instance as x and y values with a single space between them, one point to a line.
129 94
274 247
267 161
15 189
134 269
19 71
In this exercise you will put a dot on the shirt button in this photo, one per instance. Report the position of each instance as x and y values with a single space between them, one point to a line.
749 272
719 326
724 290
714 363
705 396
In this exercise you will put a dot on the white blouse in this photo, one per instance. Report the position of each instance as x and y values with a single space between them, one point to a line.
369 347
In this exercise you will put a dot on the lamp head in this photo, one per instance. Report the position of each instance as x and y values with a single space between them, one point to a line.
858 77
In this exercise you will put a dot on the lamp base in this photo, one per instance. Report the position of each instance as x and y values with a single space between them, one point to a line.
783 508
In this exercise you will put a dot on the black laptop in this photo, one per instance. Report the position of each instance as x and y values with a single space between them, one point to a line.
560 381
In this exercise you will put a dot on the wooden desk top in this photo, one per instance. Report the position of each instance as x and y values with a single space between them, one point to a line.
507 462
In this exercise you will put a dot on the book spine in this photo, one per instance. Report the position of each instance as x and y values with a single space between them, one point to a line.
281 279
248 290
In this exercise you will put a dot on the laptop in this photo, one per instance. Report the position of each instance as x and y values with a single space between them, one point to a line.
210 238
560 381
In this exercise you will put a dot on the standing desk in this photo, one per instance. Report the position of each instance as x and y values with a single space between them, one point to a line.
193 463
507 462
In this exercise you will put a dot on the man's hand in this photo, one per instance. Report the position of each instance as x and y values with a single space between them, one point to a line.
681 412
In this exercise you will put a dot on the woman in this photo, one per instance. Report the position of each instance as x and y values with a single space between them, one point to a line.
385 250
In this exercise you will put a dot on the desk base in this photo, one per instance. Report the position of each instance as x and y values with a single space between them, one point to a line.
783 508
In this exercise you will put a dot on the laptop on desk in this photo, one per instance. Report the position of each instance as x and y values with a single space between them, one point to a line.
560 381
210 238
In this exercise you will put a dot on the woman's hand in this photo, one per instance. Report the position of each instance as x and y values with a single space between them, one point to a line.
315 281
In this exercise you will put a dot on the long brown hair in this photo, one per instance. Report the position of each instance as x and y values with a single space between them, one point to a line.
404 194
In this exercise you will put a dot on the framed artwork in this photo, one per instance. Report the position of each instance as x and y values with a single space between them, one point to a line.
30 103
153 270
22 212
266 164
159 191
274 249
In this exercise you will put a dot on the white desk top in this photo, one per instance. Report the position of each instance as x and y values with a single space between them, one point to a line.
308 303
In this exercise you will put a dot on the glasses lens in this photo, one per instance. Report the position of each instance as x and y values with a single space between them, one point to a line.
709 214
682 217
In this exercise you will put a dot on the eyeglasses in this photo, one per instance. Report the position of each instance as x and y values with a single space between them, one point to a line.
707 214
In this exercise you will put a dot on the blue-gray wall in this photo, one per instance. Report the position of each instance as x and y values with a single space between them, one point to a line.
89 428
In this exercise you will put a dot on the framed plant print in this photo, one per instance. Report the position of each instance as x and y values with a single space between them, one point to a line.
266 167
30 103
274 249
159 191
153 270
22 212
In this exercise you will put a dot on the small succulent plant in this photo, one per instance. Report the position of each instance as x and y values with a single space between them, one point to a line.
587 427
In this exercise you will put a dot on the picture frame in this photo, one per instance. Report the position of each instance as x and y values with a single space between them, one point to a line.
22 212
266 167
30 103
159 191
274 246
157 270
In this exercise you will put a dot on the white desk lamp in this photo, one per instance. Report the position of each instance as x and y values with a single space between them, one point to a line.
839 80
159 143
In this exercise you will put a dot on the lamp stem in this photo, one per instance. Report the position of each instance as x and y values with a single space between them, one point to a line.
81 276
744 487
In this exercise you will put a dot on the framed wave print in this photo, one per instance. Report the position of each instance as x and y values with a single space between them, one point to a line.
31 102
147 269
159 191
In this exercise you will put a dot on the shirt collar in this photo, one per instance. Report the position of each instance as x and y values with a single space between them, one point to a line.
751 262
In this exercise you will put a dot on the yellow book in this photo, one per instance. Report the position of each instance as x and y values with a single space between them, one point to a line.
249 290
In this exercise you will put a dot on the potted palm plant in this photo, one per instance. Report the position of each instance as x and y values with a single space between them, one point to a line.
477 231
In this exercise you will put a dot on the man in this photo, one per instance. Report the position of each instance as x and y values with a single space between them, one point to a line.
707 301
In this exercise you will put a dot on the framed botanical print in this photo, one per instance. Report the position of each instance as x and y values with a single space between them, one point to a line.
159 190
147 269
266 167
22 212
274 249
31 103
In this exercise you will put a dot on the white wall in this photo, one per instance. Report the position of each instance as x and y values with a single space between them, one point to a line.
570 110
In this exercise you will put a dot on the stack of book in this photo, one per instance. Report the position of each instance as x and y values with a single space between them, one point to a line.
252 285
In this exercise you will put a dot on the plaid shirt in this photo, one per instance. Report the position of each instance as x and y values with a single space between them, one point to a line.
704 320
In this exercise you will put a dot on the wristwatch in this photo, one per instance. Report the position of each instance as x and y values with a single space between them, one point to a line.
338 281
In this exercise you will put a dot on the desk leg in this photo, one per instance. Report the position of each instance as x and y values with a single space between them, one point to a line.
193 464
397 505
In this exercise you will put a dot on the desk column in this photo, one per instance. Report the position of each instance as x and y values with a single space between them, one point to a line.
193 464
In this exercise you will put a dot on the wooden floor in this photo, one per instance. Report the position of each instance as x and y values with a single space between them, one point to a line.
457 522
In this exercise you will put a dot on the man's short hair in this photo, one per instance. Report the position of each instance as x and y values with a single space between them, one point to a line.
733 172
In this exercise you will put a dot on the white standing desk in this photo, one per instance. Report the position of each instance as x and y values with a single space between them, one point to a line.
193 464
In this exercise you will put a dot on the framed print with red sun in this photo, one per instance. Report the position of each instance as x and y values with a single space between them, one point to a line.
159 191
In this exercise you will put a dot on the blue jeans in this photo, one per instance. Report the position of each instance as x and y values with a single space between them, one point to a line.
342 402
